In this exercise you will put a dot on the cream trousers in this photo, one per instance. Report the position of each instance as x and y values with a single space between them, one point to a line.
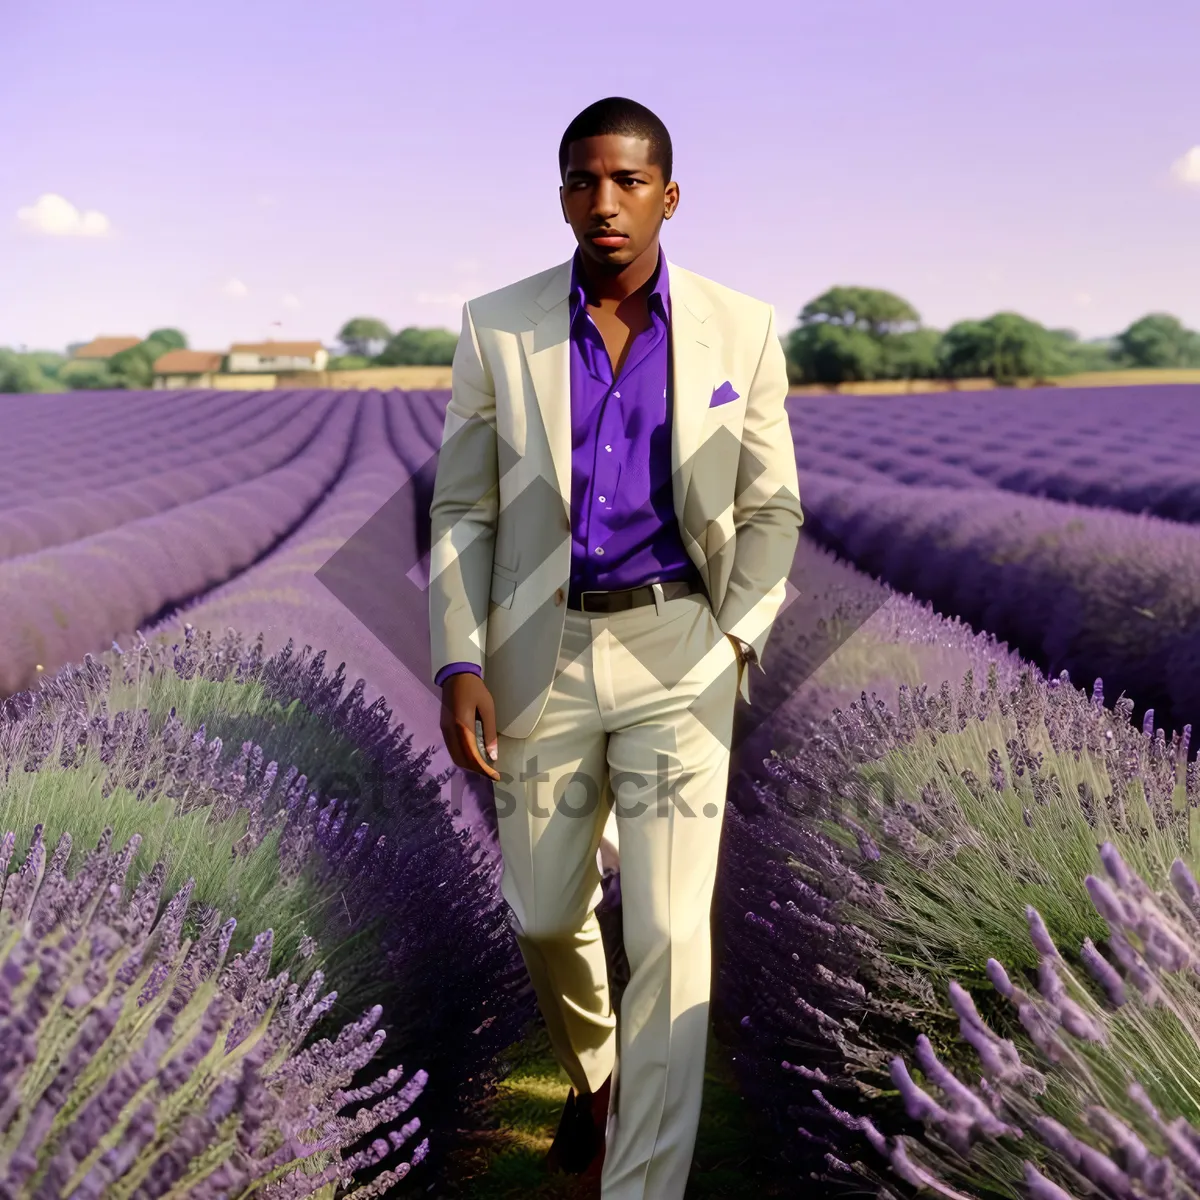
637 725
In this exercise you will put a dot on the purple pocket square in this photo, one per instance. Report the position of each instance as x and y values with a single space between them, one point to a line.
723 395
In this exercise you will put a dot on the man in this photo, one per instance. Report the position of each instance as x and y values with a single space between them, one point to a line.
614 517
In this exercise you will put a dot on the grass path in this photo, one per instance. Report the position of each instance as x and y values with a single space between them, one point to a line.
505 1162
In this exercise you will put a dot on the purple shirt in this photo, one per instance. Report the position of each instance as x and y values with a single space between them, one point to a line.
624 531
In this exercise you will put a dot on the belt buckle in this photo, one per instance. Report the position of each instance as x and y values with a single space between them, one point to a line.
583 599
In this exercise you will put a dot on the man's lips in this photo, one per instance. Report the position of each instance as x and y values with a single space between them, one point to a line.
607 237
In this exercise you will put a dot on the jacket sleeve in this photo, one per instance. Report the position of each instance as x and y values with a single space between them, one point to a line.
463 511
766 507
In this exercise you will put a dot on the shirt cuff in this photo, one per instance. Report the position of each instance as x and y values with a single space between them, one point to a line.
457 668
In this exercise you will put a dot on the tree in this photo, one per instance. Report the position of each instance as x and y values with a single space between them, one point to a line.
1072 354
49 362
911 355
855 333
87 374
173 339
828 353
21 373
419 347
1005 347
134 368
871 310
364 336
1160 340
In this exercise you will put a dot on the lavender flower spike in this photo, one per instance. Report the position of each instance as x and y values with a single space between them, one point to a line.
1039 935
1186 887
1104 973
999 977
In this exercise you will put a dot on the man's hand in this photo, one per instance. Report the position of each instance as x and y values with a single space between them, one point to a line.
463 696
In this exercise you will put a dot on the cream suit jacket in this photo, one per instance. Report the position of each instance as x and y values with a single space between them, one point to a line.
500 547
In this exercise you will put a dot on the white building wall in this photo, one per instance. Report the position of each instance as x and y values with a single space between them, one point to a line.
279 362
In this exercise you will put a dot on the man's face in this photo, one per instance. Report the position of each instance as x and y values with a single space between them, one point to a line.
610 185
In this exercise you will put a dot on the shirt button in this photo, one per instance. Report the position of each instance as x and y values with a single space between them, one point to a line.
601 499
558 597
599 549
617 394
608 448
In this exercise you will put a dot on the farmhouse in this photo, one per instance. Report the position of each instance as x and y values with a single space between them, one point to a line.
187 368
277 356
105 347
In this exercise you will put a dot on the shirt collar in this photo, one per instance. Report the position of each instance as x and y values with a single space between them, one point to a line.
658 301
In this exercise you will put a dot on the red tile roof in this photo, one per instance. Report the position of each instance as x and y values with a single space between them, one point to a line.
188 362
105 347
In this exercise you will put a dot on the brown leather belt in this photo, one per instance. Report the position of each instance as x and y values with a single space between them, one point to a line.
638 597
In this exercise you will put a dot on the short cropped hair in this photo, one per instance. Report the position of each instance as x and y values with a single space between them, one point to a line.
623 117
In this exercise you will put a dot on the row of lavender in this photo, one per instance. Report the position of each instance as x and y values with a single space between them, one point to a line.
1090 591
66 445
1128 448
95 747
69 496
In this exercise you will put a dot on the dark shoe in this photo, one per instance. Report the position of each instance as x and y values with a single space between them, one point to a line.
579 1140
565 1151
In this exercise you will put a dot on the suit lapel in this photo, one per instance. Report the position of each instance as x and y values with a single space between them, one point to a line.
548 356
692 354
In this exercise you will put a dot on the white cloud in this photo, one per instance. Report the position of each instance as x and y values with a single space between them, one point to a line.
54 215
1187 168
290 300
236 288
1083 299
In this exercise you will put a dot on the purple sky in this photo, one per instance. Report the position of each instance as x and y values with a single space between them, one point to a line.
393 159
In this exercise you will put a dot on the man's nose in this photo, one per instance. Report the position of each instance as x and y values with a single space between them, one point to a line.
604 202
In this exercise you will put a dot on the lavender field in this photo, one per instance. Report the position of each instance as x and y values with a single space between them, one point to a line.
230 807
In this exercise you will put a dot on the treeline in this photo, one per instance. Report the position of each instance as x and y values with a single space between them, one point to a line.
851 334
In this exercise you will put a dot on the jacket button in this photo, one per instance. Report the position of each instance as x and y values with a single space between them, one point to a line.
559 597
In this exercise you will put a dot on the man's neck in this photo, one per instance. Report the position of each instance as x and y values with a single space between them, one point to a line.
609 289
